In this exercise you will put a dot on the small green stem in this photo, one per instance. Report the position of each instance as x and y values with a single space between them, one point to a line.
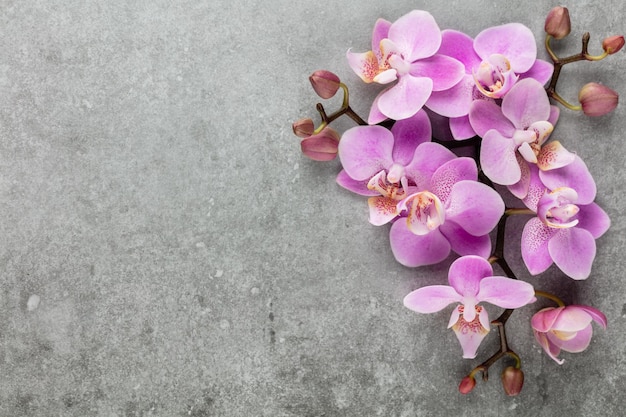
549 296
517 211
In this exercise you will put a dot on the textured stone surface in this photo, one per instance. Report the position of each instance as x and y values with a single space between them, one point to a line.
166 250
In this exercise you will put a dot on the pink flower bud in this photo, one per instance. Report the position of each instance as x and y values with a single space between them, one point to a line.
303 128
613 44
558 24
597 100
325 83
512 381
467 385
321 147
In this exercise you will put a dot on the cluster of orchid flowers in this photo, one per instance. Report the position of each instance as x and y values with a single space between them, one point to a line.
445 90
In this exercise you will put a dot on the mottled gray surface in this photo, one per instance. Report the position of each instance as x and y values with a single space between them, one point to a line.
190 262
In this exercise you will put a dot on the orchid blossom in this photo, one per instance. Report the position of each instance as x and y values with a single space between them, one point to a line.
405 51
471 282
514 136
565 328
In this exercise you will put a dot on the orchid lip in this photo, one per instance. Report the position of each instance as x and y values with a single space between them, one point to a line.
557 209
425 212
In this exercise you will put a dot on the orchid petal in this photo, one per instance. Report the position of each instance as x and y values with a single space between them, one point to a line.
416 34
592 218
365 150
464 243
535 238
486 115
498 160
595 314
443 70
470 335
574 175
375 116
466 273
429 156
459 46
553 155
455 101
431 299
505 292
520 188
527 102
474 206
382 210
364 64
513 40
577 344
412 250
550 348
380 32
540 71
571 319
461 128
358 187
536 189
573 251
543 320
408 134
405 98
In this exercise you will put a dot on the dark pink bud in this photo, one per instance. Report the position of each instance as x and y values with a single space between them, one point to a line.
597 100
467 385
321 147
303 128
325 83
613 44
512 381
558 24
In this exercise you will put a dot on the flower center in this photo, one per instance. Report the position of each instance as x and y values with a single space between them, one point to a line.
425 212
556 209
494 77
529 140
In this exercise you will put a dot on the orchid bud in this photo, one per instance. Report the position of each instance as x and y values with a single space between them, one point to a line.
303 128
512 381
613 44
467 385
597 100
558 24
321 147
325 83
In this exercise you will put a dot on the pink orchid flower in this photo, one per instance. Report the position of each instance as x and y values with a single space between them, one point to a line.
514 135
565 328
567 224
471 282
454 103
406 51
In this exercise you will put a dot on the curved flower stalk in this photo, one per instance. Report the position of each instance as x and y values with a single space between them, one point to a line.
455 102
471 282
406 51
565 328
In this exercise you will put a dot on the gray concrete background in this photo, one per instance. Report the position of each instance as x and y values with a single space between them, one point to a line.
190 262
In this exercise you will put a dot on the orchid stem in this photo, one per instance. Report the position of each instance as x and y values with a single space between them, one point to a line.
549 296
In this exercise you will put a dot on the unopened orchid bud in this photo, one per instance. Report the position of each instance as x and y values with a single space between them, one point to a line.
512 381
325 83
303 128
597 99
467 385
321 147
613 44
558 24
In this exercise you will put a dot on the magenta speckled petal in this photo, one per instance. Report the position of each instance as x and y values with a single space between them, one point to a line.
513 40
450 173
536 189
431 299
486 115
365 150
535 238
573 251
416 34
412 250
405 98
443 70
474 206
